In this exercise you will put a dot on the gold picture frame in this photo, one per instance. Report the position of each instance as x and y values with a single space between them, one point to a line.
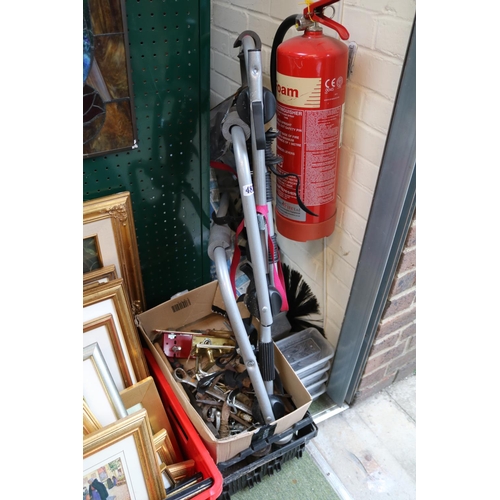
104 331
103 275
129 441
90 422
99 390
110 298
109 220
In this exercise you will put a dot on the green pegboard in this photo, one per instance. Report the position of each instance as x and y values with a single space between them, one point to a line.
168 175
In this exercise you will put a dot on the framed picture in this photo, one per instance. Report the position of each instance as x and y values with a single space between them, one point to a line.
113 346
121 457
92 259
99 391
104 274
90 422
107 319
108 224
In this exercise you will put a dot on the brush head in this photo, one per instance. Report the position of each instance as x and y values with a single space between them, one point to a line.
301 301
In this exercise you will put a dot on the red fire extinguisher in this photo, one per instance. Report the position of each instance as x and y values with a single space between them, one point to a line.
308 76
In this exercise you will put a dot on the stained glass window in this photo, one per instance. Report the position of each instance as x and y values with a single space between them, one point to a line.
108 111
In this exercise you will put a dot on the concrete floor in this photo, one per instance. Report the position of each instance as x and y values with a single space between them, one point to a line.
365 452
368 451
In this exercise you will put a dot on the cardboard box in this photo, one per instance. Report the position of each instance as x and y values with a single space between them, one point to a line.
146 394
203 308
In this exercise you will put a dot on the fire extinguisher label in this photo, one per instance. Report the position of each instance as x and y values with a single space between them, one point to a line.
313 160
298 92
290 210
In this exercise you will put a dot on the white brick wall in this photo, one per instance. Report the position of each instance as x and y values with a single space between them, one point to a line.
381 28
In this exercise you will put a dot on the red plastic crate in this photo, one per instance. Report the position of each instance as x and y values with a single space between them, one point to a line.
189 440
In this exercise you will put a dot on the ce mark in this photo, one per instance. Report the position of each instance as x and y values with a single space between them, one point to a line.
330 83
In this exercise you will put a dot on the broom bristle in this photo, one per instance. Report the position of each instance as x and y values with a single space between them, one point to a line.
301 301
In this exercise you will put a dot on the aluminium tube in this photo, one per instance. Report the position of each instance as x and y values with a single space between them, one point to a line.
259 258
255 90
219 242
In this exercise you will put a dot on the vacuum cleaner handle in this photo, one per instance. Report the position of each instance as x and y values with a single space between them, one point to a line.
218 255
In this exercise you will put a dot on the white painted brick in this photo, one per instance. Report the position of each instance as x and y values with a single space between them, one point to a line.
215 99
222 85
225 4
332 329
392 35
339 267
377 111
337 291
231 19
361 26
265 27
302 255
404 9
281 9
377 72
344 246
262 6
354 196
265 55
227 66
363 140
353 224
354 100
371 5
346 160
344 173
220 41
364 173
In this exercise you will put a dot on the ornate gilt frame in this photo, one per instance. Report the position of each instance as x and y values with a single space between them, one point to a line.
115 291
114 439
103 275
110 219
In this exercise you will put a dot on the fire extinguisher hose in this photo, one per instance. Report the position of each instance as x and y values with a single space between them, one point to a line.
289 22
278 38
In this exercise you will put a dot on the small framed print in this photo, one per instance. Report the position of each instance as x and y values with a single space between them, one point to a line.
120 460
107 319
104 331
108 227
99 391
92 260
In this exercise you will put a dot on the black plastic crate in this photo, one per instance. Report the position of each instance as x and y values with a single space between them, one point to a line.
246 469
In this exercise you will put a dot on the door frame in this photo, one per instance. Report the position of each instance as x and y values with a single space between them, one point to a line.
391 213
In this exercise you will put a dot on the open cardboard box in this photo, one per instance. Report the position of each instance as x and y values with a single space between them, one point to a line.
146 394
203 308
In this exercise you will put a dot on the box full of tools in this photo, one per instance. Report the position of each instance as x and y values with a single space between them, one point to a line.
221 407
